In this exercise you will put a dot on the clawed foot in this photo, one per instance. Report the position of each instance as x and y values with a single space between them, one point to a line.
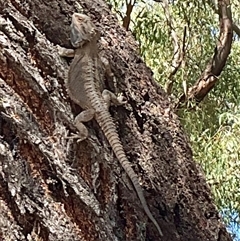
76 136
121 99
111 98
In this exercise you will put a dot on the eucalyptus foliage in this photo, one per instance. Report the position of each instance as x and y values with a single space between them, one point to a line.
214 125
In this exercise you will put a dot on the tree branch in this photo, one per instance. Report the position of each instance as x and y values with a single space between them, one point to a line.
214 6
127 18
216 64
178 53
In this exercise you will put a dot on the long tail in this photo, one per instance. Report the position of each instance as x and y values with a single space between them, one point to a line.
107 125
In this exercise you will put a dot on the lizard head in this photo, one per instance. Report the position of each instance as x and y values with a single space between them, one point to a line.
82 30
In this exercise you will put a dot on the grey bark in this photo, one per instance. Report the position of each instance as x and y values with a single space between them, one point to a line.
53 188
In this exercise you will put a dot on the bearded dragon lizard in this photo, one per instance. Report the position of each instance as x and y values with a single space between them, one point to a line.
84 88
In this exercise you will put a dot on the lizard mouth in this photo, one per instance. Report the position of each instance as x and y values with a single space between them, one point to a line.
82 30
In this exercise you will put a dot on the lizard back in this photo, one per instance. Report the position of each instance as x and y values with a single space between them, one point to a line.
84 69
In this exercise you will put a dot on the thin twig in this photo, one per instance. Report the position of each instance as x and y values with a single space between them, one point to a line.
178 54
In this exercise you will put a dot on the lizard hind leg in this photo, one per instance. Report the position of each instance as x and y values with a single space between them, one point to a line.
110 97
84 116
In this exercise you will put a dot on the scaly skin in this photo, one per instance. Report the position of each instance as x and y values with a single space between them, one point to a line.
84 88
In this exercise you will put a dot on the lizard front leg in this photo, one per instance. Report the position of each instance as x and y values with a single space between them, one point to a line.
64 52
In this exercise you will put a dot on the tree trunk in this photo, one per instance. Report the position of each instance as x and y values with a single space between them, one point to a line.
55 188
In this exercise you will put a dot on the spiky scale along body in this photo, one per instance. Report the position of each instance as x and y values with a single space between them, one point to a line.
84 87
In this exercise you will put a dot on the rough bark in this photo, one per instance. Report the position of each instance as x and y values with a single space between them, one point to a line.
53 188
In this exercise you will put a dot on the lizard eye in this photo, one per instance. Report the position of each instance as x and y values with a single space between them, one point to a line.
80 19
